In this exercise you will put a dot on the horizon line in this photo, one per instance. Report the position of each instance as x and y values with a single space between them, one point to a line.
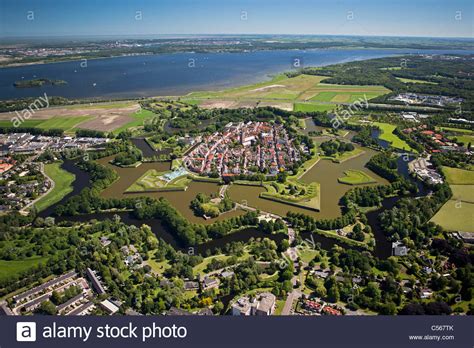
228 34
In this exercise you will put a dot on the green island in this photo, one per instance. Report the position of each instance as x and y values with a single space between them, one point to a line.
153 180
38 83
356 177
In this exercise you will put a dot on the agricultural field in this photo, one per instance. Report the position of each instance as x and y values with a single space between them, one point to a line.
386 133
64 123
463 193
343 93
62 185
139 118
57 122
456 216
309 107
306 92
458 213
103 117
153 180
26 123
356 177
10 268
455 176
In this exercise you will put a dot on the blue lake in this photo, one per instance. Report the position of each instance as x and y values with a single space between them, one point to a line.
175 74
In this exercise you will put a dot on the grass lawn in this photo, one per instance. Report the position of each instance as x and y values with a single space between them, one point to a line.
62 185
387 135
356 177
306 255
158 267
456 216
279 306
339 158
9 268
309 200
457 176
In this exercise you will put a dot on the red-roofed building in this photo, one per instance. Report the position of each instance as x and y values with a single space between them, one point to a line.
331 311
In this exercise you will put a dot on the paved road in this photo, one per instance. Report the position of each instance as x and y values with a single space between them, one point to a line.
292 297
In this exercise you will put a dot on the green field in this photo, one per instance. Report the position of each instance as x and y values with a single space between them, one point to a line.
324 96
386 133
356 177
456 216
342 157
299 88
307 107
139 119
310 199
458 213
457 176
10 268
26 123
58 122
464 193
64 123
62 180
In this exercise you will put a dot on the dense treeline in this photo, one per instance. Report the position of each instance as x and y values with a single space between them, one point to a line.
308 223
452 159
410 217
190 234
129 157
90 133
385 165
52 132
371 196
333 147
364 137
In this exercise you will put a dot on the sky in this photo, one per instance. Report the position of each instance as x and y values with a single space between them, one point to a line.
433 18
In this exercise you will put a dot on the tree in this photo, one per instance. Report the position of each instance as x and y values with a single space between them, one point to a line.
46 308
